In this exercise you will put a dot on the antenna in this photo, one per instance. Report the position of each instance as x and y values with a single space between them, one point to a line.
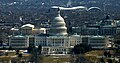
104 7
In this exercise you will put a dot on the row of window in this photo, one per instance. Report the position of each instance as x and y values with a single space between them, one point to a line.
57 49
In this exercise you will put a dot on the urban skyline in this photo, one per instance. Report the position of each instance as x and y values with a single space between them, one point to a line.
59 31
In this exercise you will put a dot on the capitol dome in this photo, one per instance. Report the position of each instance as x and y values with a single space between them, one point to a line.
58 26
58 19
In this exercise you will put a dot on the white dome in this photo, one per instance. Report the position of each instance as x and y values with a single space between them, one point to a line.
28 25
58 26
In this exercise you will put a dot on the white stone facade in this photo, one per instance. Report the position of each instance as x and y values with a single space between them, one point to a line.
19 41
57 44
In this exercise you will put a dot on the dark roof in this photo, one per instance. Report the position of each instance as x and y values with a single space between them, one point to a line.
44 35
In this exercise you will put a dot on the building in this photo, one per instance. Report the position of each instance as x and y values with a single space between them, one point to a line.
104 27
19 41
57 44
27 29
75 39
97 42
52 44
57 40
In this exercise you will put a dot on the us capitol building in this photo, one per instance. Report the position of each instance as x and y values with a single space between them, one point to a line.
56 40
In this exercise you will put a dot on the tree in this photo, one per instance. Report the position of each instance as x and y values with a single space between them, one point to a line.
109 61
20 55
39 49
81 48
17 52
107 54
30 49
10 48
102 60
